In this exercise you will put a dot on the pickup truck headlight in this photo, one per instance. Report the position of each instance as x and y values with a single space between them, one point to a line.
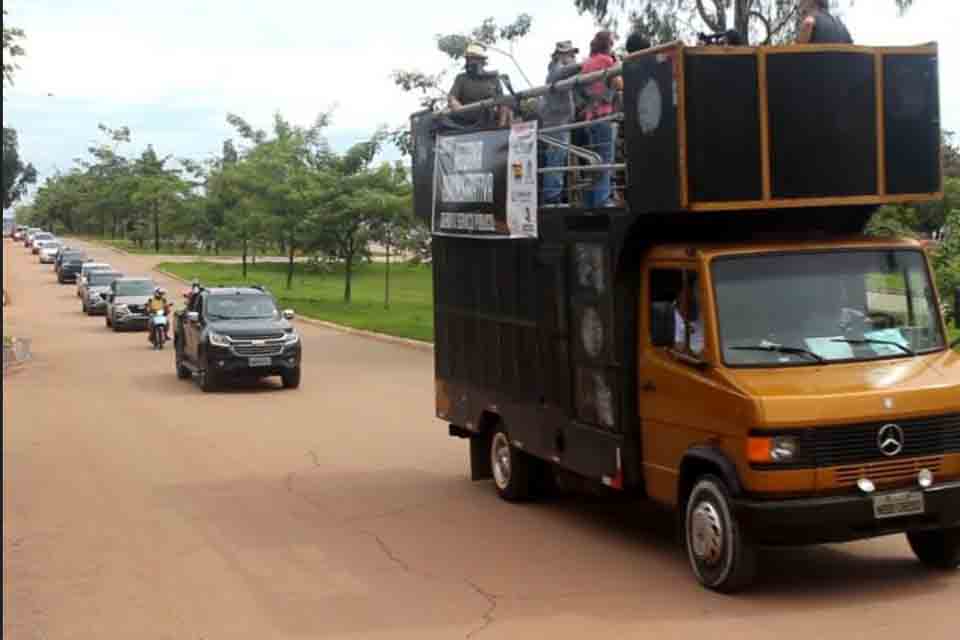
218 340
121 309
773 449
291 338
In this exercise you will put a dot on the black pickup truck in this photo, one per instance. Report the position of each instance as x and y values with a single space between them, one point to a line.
236 332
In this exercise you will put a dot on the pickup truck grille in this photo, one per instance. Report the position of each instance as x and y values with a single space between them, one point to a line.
266 336
857 444
272 349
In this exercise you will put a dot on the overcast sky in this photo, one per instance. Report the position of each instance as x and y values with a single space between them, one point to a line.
172 70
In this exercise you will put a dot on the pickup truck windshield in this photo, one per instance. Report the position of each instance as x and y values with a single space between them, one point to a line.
814 307
241 307
135 288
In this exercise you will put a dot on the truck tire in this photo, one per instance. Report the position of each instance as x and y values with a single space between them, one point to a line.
938 549
721 558
209 380
106 320
182 372
291 378
512 468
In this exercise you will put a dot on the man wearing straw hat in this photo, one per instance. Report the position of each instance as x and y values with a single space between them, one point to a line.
473 85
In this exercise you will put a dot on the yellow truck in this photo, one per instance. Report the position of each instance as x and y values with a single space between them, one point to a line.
720 337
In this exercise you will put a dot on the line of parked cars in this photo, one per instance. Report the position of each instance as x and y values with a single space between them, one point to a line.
223 333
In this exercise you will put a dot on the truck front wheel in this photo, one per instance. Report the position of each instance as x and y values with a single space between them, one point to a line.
939 549
720 556
291 378
512 468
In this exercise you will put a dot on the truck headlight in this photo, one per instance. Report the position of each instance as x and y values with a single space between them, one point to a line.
291 338
121 309
218 340
773 449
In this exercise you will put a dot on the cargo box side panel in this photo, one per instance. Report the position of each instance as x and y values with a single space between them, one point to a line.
723 128
651 100
823 132
912 123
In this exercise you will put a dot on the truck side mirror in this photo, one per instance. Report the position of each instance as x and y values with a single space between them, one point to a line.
663 324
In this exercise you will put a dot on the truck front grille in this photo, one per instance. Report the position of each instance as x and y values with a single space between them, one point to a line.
266 336
886 472
849 445
246 350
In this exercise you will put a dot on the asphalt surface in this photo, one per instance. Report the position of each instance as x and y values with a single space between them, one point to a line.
135 506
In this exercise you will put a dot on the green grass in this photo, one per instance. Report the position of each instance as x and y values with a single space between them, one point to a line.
320 296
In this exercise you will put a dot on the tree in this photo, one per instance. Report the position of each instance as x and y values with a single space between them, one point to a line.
286 176
159 191
11 50
757 21
391 218
17 176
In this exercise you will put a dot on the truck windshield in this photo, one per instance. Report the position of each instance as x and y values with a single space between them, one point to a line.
239 307
814 307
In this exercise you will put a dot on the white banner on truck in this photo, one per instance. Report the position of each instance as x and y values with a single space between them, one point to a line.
522 169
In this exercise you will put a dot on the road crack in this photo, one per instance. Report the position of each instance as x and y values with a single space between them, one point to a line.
388 552
492 601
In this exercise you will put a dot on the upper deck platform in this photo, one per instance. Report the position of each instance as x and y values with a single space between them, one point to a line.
834 130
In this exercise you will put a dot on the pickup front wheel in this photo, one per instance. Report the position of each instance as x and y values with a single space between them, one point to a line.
291 378
939 549
720 556
209 380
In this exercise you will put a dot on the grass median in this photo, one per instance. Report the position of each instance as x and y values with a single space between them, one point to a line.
320 295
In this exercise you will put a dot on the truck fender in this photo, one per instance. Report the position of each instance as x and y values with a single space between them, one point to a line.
707 457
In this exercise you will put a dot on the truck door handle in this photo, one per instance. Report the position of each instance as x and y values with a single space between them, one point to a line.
648 387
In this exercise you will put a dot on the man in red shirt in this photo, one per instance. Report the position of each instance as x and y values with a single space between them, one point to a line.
600 99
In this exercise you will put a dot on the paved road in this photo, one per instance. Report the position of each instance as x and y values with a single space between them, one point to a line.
136 506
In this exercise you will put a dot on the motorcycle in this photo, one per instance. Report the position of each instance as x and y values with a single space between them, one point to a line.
158 329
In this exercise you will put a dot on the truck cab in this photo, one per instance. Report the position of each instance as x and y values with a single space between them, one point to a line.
236 332
724 339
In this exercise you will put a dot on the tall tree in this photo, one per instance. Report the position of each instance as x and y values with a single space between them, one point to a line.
11 50
757 21
17 176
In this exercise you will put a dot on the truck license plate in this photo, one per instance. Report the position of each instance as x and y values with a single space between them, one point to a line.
896 505
259 362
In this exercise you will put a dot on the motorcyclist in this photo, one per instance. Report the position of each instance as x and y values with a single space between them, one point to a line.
159 303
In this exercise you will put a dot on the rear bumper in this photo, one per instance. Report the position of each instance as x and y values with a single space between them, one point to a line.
842 519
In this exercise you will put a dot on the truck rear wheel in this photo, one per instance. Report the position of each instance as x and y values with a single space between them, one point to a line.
512 468
720 556
939 549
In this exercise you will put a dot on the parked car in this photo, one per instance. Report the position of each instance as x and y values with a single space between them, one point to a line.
94 299
127 303
70 265
28 236
48 251
236 332
39 237
85 269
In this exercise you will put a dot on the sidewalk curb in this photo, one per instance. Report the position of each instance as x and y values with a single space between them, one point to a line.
409 343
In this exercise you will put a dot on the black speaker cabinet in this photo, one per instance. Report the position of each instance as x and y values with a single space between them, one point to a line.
740 128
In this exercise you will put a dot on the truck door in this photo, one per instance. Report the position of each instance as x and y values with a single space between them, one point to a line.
672 383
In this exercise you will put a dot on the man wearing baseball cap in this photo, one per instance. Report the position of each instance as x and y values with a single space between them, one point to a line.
556 109
473 85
